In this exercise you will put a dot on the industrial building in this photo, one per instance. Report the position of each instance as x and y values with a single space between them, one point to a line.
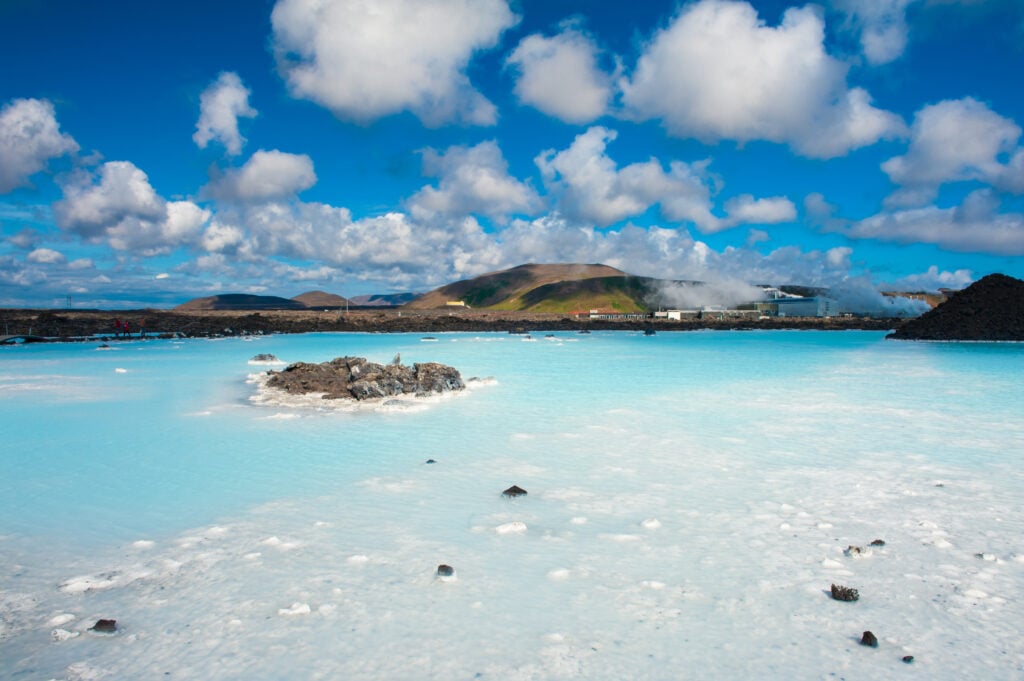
818 306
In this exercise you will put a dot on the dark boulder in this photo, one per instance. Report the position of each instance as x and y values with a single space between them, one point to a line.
356 378
869 639
877 542
104 626
907 659
445 571
432 377
514 491
844 593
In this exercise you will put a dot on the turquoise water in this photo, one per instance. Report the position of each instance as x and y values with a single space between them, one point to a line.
690 498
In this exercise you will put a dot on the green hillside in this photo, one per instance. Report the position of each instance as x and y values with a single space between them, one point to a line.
619 293
503 290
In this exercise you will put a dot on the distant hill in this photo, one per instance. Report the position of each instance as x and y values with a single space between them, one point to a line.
991 308
321 299
624 293
241 301
516 289
384 299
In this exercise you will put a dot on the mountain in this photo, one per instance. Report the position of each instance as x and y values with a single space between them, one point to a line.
991 308
517 289
320 300
384 299
241 301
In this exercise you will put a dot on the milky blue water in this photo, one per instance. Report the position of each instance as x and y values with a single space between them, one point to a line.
690 499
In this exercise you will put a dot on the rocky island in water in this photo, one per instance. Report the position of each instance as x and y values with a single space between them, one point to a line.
355 378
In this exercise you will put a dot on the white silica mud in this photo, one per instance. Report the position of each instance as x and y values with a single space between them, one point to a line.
690 500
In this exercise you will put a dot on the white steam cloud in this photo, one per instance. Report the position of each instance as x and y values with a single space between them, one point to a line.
860 296
718 293
853 296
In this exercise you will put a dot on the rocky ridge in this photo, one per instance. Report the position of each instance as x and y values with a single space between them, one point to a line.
80 325
359 379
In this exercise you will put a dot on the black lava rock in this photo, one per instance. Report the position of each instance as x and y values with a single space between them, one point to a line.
514 491
431 461
356 378
991 308
104 626
869 639
907 659
844 593
878 542
445 571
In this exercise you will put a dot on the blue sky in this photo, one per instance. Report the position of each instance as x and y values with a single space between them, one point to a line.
154 152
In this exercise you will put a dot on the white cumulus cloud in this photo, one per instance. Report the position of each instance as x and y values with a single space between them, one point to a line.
932 280
365 60
839 256
472 180
24 238
220 106
882 25
561 77
745 210
219 237
45 256
718 72
117 204
590 188
29 137
975 226
81 264
123 191
266 176
390 247
954 141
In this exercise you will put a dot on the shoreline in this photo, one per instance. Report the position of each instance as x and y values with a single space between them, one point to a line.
98 325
